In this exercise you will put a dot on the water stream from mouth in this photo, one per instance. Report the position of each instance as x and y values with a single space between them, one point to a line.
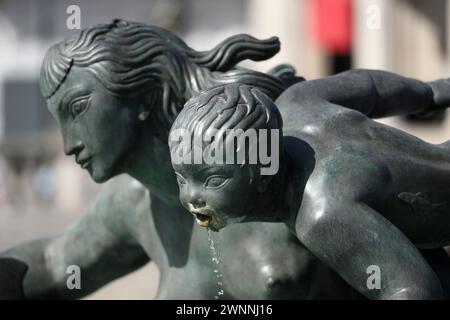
215 258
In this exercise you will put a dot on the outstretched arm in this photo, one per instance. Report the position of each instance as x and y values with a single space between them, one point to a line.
377 93
100 244
357 242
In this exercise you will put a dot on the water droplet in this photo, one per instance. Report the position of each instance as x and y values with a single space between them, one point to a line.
216 259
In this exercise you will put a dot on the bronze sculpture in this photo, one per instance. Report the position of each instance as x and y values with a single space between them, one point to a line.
355 192
128 225
115 90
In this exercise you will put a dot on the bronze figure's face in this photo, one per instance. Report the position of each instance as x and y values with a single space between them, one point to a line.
217 195
98 128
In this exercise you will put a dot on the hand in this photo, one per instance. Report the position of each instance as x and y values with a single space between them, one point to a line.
441 100
441 97
12 272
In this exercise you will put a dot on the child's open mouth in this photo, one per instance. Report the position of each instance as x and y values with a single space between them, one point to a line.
202 219
203 216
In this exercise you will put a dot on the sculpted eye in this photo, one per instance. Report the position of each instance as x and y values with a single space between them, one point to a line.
180 179
215 181
79 106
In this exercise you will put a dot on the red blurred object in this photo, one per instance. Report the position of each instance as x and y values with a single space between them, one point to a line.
331 23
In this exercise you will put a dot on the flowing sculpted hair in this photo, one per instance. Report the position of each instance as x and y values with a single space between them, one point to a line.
131 59
223 109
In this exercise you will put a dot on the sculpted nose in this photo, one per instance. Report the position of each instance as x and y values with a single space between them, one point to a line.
196 200
197 203
73 148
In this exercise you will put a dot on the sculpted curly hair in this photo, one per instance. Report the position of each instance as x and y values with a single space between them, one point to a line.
221 117
130 58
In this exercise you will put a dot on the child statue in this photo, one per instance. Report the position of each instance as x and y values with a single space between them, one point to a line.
355 192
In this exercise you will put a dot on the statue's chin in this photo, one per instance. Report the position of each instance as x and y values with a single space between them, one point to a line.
212 228
218 225
100 177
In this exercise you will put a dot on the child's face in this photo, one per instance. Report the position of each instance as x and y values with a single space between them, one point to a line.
217 195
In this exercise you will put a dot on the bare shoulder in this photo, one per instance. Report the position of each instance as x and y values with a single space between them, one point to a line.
342 179
312 114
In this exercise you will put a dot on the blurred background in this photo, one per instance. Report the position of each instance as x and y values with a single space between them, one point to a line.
42 191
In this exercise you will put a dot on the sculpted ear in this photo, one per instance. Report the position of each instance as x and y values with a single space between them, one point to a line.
145 105
143 112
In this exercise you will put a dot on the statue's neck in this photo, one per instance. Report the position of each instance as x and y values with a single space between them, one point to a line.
150 164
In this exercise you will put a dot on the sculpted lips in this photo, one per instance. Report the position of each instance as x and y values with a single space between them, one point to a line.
202 216
84 163
202 219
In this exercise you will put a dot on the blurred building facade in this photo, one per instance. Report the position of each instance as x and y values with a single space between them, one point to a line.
318 37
